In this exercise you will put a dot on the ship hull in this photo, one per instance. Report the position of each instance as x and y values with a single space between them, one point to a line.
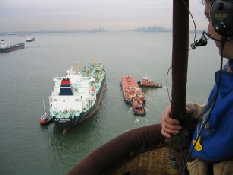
150 86
30 39
12 48
68 123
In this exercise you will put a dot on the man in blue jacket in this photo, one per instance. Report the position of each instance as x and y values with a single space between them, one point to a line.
212 142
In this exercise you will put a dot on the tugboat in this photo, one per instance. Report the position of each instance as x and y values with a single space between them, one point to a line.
45 118
77 96
146 83
30 39
138 106
130 87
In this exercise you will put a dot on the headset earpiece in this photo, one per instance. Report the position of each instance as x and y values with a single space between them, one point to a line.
222 17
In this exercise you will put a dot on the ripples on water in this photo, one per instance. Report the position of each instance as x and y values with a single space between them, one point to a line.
26 78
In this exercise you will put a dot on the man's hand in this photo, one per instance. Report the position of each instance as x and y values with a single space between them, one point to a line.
171 126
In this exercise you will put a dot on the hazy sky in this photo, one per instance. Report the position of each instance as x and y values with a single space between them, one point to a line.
25 15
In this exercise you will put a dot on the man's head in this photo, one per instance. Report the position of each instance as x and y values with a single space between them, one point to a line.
228 49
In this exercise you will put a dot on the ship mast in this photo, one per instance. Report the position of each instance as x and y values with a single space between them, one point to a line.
93 60
77 67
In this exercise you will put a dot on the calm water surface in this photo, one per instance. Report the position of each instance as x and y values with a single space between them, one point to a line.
26 78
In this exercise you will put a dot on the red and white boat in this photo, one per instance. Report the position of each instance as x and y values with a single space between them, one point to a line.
45 119
147 83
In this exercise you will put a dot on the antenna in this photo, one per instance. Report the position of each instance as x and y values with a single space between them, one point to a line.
43 104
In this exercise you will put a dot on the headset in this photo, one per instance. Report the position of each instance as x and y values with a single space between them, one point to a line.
221 13
222 17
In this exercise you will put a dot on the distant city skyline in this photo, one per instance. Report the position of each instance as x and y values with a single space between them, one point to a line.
38 15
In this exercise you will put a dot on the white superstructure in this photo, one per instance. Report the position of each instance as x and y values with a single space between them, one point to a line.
72 95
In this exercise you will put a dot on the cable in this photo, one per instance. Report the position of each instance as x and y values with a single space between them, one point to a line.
167 83
194 23
212 37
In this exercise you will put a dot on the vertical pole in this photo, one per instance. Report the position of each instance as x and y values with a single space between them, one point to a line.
180 143
179 57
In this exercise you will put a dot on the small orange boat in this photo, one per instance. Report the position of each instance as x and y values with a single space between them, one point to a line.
45 119
138 106
146 83
130 88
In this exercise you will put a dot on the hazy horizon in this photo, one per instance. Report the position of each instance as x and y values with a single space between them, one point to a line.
39 15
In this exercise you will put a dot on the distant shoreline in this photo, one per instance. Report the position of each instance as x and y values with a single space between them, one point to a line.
90 31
